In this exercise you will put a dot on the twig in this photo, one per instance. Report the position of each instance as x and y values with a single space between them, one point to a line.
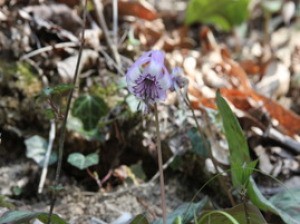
108 57
113 48
48 48
47 156
160 166
63 129
115 21
107 176
165 166
95 177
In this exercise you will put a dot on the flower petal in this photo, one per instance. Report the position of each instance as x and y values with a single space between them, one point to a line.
156 63
165 80
162 94
133 73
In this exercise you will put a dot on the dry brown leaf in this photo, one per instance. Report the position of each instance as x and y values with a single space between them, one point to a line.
242 96
66 68
58 14
251 67
288 120
149 32
139 9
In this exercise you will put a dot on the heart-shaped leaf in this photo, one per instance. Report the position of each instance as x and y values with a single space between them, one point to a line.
89 109
36 148
82 162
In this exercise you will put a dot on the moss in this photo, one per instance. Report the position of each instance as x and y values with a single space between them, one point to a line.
20 76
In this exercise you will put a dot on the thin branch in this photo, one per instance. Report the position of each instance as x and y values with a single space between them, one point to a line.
115 21
165 166
48 48
63 129
47 156
100 17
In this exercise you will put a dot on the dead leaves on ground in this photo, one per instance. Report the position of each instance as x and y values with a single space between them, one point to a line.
252 86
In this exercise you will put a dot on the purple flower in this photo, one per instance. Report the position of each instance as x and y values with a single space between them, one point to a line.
178 80
148 79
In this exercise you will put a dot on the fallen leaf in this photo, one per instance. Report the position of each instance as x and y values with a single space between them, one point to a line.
240 92
58 14
139 9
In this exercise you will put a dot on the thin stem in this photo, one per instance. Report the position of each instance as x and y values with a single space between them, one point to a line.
160 166
95 177
63 129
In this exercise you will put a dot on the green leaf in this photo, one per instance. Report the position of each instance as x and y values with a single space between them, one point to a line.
243 173
139 219
238 147
89 109
262 203
198 145
19 217
240 159
185 212
56 90
55 219
82 162
36 148
4 203
16 190
225 14
75 124
288 201
178 220
237 214
56 188
137 170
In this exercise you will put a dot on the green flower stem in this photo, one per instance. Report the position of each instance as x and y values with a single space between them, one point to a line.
160 166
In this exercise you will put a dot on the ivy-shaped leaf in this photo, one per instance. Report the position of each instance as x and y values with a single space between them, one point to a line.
89 109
